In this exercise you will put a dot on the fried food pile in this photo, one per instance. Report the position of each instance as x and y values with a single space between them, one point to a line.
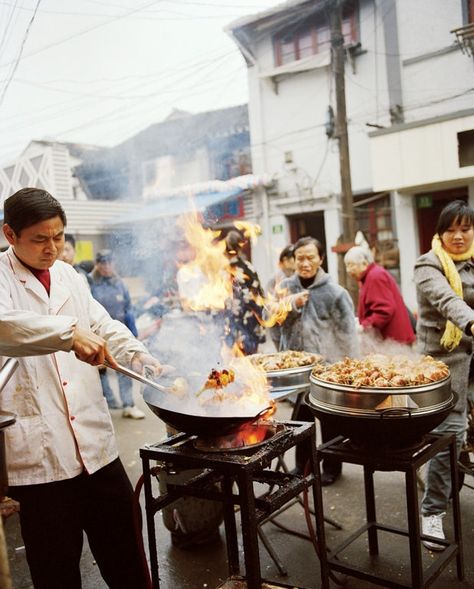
381 371
284 360
218 379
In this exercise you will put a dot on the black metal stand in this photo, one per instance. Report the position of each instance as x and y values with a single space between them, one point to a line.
407 462
301 393
239 470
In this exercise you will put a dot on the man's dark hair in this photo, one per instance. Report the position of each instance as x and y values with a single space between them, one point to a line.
234 241
307 240
29 206
287 252
70 239
455 211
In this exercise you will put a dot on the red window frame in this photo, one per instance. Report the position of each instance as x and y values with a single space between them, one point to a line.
349 17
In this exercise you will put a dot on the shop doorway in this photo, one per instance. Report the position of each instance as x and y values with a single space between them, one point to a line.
428 207
311 224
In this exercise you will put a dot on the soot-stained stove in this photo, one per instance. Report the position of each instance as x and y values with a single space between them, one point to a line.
228 476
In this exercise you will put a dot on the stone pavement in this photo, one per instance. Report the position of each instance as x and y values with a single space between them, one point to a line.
205 567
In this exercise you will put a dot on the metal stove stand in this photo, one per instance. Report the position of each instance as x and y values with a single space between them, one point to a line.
236 474
407 461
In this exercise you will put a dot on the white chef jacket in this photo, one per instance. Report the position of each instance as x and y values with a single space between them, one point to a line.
63 424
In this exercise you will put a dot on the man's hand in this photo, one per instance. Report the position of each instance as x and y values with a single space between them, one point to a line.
300 299
140 360
91 348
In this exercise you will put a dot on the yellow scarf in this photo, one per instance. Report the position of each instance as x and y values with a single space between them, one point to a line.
452 334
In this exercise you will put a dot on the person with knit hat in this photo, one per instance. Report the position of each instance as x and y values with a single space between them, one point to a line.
444 279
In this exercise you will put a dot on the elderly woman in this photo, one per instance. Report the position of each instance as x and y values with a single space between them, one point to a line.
381 308
444 280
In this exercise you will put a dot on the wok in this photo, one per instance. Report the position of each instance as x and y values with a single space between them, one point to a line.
214 422
197 424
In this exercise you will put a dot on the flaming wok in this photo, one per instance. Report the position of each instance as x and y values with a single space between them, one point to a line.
200 424
189 416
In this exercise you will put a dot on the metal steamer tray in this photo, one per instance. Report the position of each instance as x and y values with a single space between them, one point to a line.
419 399
289 378
381 419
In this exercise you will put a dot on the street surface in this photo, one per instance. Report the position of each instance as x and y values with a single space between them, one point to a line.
205 567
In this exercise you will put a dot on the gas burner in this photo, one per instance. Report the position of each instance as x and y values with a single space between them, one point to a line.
251 436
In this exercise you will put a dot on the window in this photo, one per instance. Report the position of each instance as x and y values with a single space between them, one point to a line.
466 148
314 36
468 11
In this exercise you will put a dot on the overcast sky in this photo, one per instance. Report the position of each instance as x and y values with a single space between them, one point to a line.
98 71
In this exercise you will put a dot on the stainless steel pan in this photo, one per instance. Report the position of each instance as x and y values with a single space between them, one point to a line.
225 421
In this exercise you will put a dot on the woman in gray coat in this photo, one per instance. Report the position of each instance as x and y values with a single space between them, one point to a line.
444 279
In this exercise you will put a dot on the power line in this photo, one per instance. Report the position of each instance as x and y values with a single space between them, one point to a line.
85 31
17 61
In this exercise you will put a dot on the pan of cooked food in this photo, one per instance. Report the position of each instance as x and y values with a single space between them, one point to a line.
218 407
288 370
382 400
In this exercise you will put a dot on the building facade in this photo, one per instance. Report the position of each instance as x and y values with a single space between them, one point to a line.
51 165
402 86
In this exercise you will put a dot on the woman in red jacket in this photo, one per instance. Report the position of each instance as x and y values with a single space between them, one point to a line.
381 305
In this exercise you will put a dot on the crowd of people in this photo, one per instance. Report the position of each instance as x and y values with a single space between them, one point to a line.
65 321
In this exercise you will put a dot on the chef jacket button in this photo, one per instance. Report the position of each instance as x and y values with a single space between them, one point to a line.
72 417
64 383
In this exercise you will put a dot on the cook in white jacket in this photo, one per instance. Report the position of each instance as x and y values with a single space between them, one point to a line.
63 464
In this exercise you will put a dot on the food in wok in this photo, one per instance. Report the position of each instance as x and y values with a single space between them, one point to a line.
219 379
285 360
381 371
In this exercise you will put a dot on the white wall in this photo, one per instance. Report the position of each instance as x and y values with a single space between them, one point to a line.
420 156
288 114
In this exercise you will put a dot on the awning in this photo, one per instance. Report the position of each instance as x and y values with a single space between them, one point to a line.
176 205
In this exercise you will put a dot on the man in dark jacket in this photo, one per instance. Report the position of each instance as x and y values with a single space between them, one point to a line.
381 305
112 293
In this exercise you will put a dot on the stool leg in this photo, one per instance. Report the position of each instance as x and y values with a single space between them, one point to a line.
414 528
249 531
230 527
456 507
150 524
319 516
370 510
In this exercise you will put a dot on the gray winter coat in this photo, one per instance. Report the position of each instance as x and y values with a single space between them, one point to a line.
437 302
325 325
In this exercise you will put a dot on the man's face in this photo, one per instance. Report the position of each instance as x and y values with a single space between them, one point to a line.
307 261
39 245
287 266
105 268
68 253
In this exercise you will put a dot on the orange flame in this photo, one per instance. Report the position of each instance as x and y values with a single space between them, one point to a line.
250 434
208 274
250 230
276 307
209 280
253 378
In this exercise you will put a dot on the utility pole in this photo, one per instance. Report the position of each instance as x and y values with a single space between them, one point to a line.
337 63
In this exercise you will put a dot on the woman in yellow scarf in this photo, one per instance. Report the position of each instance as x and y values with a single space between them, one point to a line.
444 279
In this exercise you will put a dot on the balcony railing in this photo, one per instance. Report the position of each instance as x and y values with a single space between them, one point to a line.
465 38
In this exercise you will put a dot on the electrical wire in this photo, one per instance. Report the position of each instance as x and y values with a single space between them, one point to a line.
85 31
18 58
